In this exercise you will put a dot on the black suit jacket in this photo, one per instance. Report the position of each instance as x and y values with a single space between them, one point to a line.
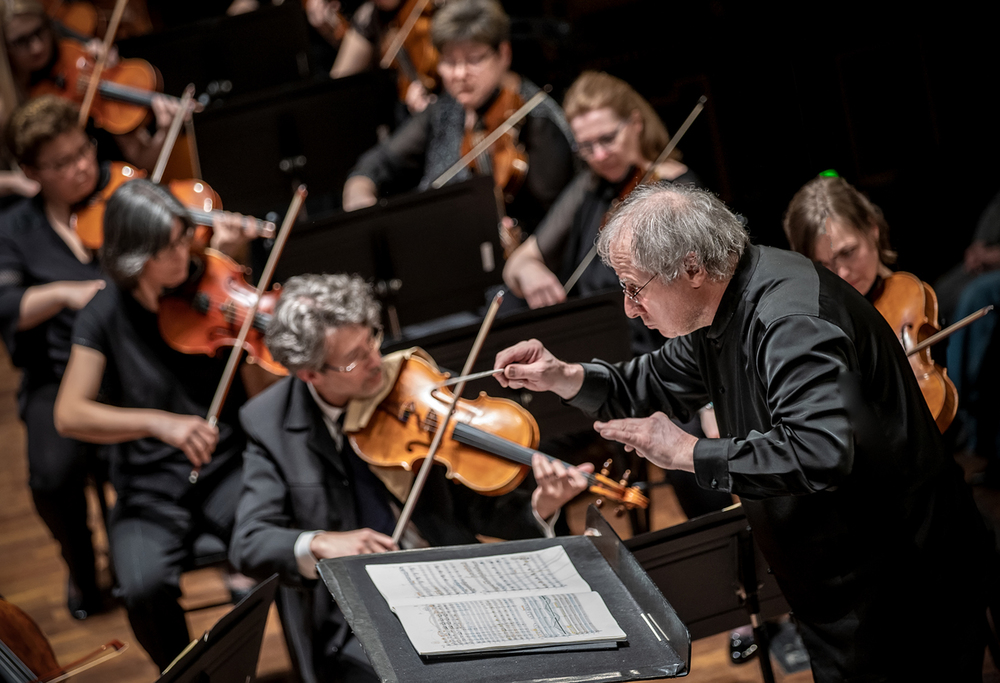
294 480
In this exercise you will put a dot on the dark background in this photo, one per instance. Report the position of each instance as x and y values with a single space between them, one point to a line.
893 97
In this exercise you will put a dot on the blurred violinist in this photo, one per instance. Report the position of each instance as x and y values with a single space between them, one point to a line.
32 43
474 41
361 42
618 134
46 276
308 496
153 403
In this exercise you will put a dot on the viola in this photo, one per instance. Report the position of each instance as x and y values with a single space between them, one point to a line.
124 94
487 446
409 49
911 309
209 312
203 204
505 160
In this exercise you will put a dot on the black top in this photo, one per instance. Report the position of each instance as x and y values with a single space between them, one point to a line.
430 142
144 372
372 23
826 437
32 253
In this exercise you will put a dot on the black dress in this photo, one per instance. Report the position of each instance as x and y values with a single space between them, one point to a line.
32 254
159 512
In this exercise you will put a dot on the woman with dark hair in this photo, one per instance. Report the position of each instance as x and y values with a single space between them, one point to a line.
473 37
153 403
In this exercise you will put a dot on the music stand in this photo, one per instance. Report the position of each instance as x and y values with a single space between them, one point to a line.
430 253
709 570
602 560
228 652
255 150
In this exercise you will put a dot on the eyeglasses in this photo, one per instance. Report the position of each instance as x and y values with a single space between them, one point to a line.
23 43
605 142
374 342
472 62
183 241
631 291
87 151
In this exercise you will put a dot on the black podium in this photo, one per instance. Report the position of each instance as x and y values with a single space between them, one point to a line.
658 645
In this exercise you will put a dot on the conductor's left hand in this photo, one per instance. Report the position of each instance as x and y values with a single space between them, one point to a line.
656 438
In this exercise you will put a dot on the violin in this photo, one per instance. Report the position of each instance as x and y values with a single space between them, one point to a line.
209 312
910 307
487 446
80 17
409 49
203 204
124 94
505 160
24 650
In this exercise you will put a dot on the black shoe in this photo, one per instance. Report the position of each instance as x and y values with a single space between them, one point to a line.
742 647
83 604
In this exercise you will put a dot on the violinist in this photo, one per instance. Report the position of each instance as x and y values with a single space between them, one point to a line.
32 43
153 400
862 517
473 37
362 43
308 496
618 134
46 276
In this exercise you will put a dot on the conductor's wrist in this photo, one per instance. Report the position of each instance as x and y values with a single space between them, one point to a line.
572 375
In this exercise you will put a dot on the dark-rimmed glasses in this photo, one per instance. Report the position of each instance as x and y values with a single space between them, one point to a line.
631 291
374 342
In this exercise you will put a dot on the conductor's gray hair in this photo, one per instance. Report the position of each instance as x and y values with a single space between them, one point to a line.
673 228
311 305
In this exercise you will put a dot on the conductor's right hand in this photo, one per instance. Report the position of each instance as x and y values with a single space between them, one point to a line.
529 365
327 544
190 433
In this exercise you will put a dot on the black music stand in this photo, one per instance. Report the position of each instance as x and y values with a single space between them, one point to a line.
431 254
709 570
255 150
602 560
228 652
229 56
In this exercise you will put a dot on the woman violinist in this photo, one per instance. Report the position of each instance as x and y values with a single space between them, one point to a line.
834 224
473 38
153 402
618 134
46 276
33 40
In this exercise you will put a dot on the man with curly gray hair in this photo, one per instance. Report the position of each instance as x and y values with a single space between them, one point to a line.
824 434
308 496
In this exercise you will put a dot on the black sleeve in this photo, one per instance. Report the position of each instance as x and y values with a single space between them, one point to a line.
11 290
550 160
90 328
402 153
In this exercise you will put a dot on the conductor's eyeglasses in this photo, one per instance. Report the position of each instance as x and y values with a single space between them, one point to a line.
631 291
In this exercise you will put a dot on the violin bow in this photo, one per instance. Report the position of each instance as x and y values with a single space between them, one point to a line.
404 31
172 133
265 280
95 78
485 143
425 468
948 331
674 141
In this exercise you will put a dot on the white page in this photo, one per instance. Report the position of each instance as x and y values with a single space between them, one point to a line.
508 622
548 571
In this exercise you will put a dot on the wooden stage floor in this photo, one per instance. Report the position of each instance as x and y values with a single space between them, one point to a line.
33 577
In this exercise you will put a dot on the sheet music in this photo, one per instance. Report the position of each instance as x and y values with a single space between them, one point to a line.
496 602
